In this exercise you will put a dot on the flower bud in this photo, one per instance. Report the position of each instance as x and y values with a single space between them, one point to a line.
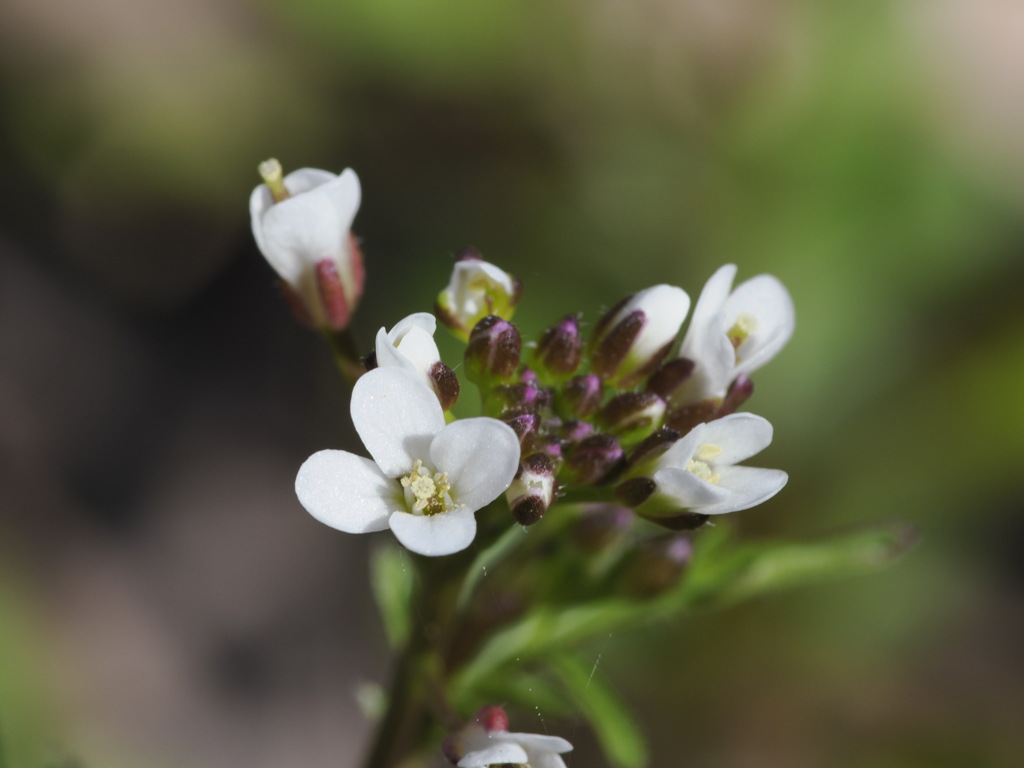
631 338
653 446
533 489
508 400
476 289
491 718
740 391
657 565
581 396
301 223
632 415
635 491
560 349
492 355
525 426
445 385
573 431
670 376
681 521
686 417
594 459
601 525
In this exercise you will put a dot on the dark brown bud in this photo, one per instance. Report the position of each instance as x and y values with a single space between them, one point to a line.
594 459
635 491
670 376
582 395
560 349
686 417
492 354
446 384
740 391
632 415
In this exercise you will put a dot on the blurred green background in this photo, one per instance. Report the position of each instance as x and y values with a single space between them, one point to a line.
164 601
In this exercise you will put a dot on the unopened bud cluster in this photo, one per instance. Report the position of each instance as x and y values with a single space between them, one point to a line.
614 407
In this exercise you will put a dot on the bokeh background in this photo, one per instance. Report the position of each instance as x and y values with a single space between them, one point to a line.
164 601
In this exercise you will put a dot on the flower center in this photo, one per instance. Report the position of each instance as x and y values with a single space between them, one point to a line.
745 325
427 494
699 465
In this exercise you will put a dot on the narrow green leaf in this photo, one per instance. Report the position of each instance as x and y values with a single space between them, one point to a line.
392 580
618 733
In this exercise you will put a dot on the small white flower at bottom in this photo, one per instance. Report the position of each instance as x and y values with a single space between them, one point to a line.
493 748
426 479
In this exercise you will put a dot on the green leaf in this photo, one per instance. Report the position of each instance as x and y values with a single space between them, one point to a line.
618 733
773 567
392 580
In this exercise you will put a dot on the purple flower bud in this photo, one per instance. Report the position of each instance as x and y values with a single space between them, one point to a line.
560 349
632 415
491 718
525 426
670 376
657 565
492 355
594 459
630 339
601 525
445 384
581 396
533 489
573 431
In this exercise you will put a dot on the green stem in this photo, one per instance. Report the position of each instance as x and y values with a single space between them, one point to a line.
346 353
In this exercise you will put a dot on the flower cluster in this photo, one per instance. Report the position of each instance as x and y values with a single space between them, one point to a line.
633 417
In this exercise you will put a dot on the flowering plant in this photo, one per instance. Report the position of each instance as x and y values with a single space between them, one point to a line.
583 491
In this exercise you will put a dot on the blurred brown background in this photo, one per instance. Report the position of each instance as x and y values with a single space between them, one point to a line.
164 601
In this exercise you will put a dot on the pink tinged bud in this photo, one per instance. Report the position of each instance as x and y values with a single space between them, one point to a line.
560 349
657 565
492 354
573 431
445 384
632 416
491 718
533 489
594 459
740 391
581 396
333 301
632 338
525 426
601 525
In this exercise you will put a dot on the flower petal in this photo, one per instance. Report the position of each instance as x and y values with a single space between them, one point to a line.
495 754
536 741
481 457
749 485
410 344
739 435
347 492
684 490
397 416
304 179
767 299
433 535
709 303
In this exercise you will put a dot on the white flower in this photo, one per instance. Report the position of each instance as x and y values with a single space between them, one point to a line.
698 472
302 225
426 478
499 748
477 289
632 337
410 345
733 332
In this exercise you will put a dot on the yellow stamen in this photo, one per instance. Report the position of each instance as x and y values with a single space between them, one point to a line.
745 325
